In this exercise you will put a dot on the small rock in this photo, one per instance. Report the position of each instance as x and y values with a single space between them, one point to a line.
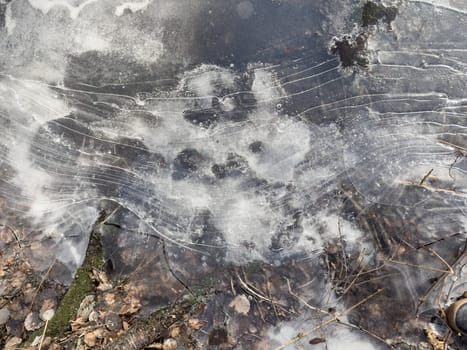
113 322
4 315
240 304
86 307
93 316
14 327
252 329
37 340
12 343
90 339
32 322
169 344
99 333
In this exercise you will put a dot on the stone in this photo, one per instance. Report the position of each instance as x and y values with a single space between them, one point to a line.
32 322
113 322
90 339
86 307
12 343
169 344
4 315
240 304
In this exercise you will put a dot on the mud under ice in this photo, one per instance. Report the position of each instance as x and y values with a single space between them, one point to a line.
254 157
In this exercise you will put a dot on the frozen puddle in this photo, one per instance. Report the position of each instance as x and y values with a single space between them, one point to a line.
230 133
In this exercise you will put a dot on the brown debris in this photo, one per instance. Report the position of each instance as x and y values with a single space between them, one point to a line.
144 332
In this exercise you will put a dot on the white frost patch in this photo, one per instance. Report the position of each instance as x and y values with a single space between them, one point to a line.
337 337
33 104
287 143
46 5
10 22
265 87
91 41
243 218
132 6
454 5
203 80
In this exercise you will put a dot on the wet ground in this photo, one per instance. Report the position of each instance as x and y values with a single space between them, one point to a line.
300 164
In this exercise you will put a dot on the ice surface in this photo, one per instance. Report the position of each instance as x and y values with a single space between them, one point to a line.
242 145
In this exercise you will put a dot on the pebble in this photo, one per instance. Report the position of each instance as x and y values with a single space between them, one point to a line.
169 344
32 322
93 316
113 322
12 343
4 315
90 339
240 304
86 307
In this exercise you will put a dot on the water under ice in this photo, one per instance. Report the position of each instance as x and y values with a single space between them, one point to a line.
242 139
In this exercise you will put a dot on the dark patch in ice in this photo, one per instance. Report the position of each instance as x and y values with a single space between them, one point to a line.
204 118
351 50
186 163
234 166
3 6
256 147
373 12
106 71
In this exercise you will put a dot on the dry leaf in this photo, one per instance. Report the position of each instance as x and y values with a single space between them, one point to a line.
109 298
435 341
77 324
103 287
174 332
195 323
128 309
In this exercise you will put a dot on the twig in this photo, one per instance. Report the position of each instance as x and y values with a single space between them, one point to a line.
346 290
18 241
314 308
302 335
417 266
43 334
41 283
425 177
446 340
366 331
451 271
166 258
440 280
454 163
248 289
103 222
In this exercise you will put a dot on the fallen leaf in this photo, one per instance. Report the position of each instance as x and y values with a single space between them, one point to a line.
195 323
174 332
